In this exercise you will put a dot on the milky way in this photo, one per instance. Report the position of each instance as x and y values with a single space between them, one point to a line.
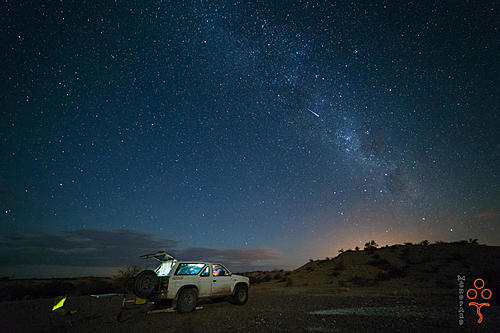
298 128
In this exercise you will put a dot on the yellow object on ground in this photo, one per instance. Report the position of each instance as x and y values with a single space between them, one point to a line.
139 301
58 302
58 306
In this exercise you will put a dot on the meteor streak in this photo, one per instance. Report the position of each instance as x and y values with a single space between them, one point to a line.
314 113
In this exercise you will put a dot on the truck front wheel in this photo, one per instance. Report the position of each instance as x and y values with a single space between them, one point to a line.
240 296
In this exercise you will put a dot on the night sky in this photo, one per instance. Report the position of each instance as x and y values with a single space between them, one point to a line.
254 133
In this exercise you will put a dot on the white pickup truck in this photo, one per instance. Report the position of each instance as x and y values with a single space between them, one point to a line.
184 283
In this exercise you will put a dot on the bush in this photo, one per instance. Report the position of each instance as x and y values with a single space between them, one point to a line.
371 246
381 263
99 286
363 282
277 276
334 273
404 253
254 280
392 273
122 279
425 259
339 266
266 278
455 256
289 282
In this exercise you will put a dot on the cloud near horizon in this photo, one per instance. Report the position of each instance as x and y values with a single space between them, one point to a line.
113 248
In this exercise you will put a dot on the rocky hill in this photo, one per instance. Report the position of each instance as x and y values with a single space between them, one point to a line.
396 269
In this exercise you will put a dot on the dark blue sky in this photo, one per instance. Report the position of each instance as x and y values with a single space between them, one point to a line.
285 131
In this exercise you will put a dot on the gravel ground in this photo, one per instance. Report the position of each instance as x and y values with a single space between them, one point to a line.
276 310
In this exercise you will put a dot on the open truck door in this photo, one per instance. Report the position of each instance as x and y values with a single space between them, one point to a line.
167 262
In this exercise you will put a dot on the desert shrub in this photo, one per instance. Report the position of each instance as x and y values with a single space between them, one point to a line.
424 242
339 266
97 286
311 260
371 246
381 263
334 273
121 280
53 288
392 273
266 278
100 286
404 253
357 248
287 273
277 276
13 292
408 243
309 269
455 256
254 280
362 281
425 259
289 282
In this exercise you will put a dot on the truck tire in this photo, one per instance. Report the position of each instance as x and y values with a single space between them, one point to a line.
187 300
240 296
146 283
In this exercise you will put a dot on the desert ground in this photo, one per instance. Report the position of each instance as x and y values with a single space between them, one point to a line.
268 310
402 288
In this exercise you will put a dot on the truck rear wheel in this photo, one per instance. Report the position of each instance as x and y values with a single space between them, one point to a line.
240 296
145 284
186 302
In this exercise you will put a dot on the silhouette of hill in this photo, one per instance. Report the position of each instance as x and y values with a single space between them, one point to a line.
396 269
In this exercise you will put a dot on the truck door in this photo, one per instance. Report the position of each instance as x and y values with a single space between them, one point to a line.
205 282
221 281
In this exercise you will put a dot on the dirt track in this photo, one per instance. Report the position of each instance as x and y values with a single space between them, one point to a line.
279 310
